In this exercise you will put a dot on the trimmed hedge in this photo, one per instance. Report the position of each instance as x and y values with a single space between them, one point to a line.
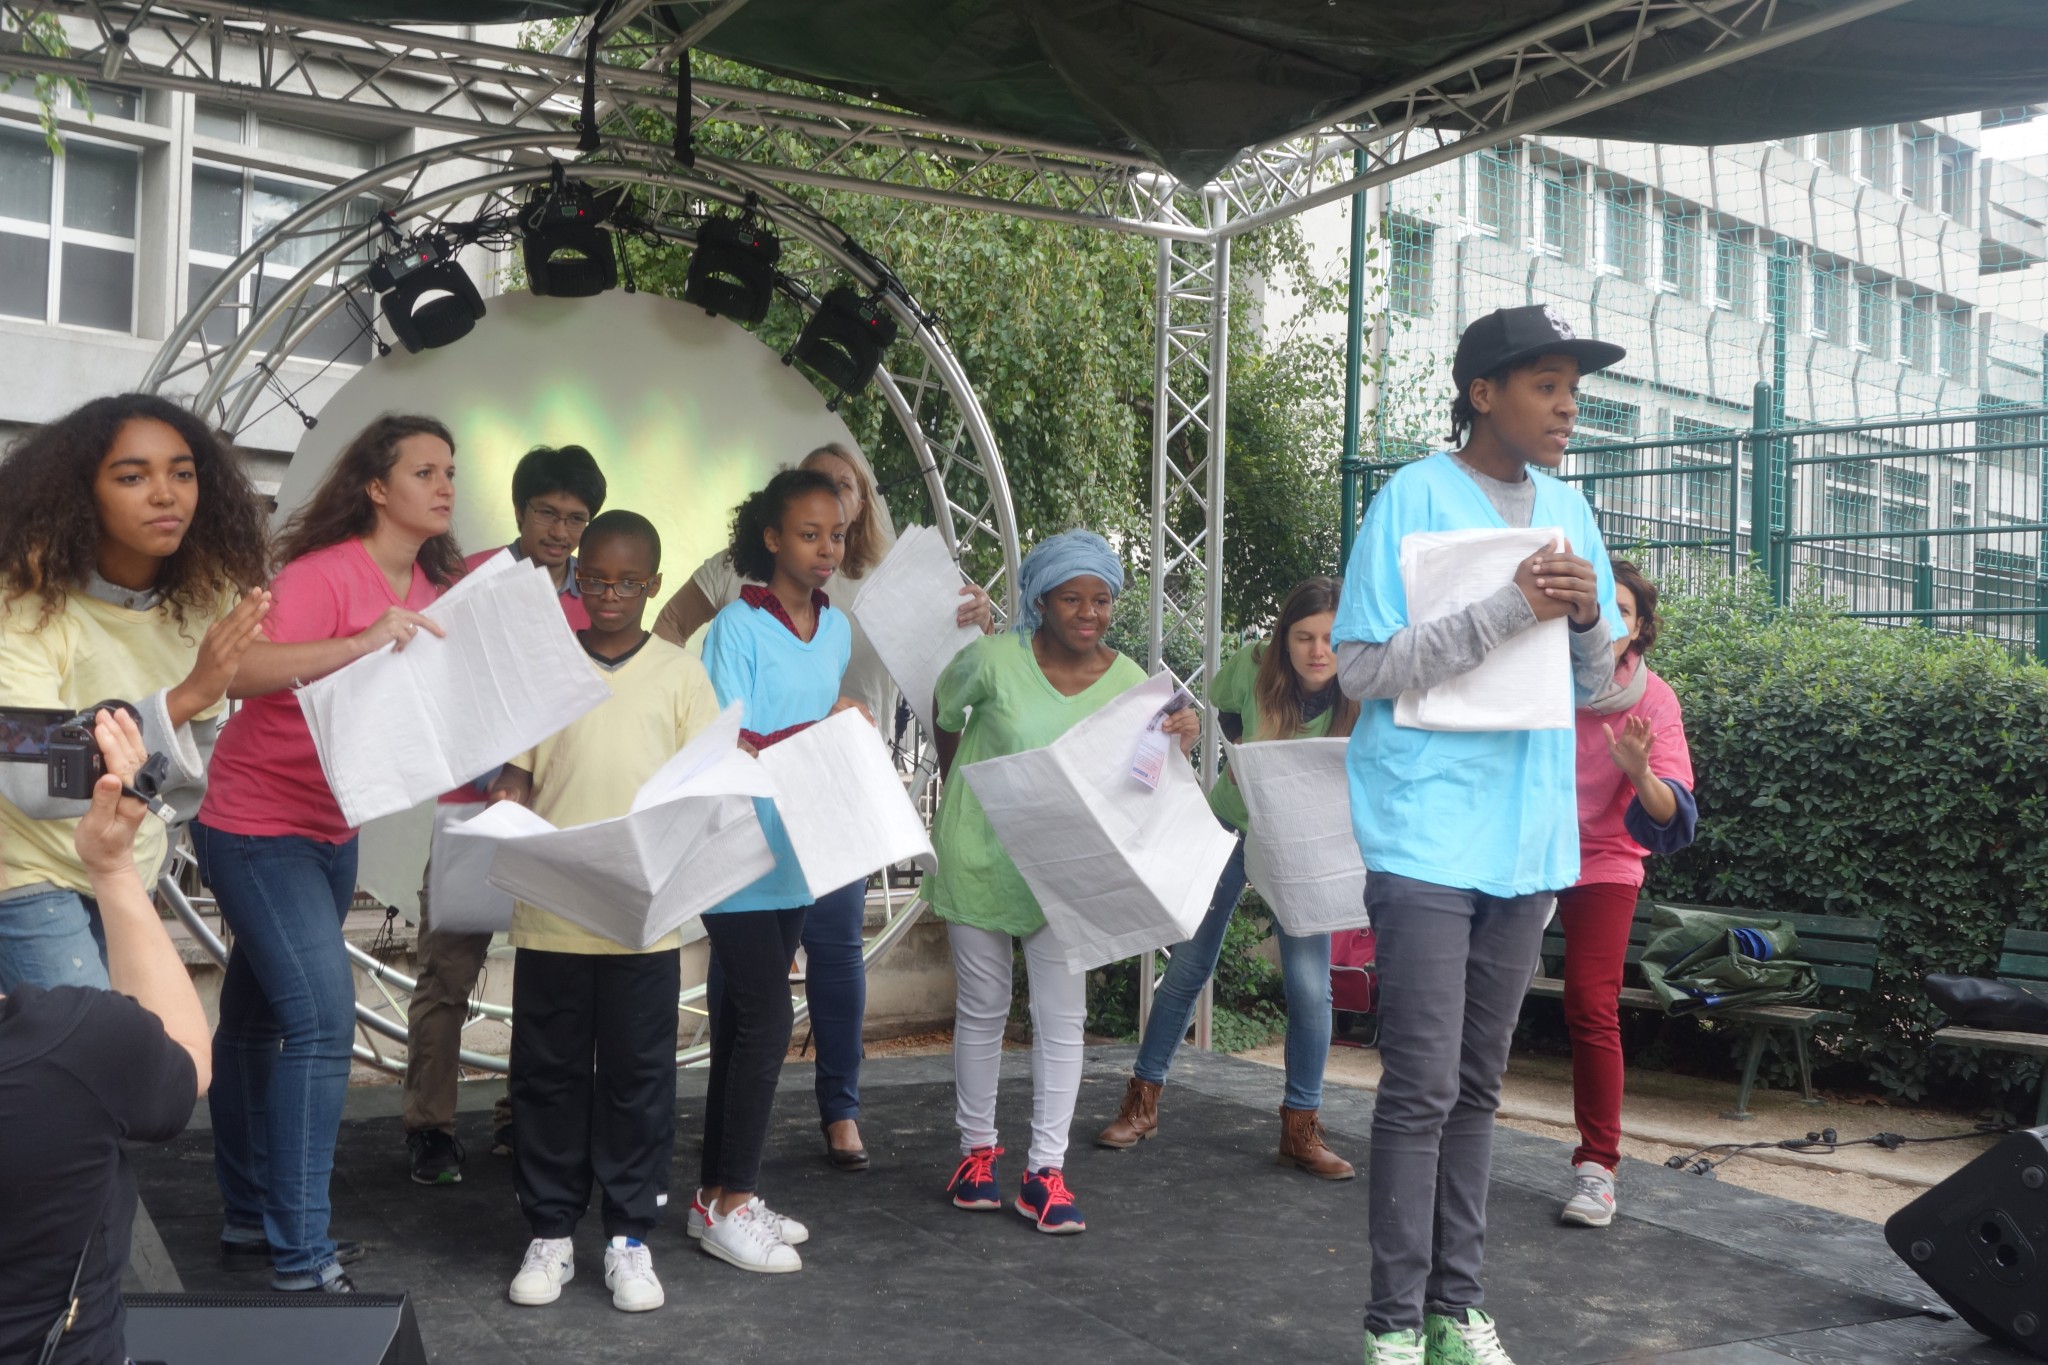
1851 770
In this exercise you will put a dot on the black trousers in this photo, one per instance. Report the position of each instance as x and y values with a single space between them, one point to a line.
593 1086
750 1023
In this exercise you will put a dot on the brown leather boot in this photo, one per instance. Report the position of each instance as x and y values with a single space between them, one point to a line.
1301 1145
1137 1118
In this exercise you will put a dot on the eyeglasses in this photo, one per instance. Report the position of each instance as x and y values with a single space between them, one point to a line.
595 587
549 517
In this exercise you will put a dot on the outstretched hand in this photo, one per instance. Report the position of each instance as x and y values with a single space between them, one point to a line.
1630 750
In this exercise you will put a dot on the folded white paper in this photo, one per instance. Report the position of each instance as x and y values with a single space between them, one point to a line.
396 727
460 897
907 607
1299 851
843 803
1116 868
1525 683
690 840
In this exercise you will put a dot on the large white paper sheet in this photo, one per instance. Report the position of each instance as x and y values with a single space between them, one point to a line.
690 840
907 607
1299 851
398 727
460 897
843 803
1117 869
1526 682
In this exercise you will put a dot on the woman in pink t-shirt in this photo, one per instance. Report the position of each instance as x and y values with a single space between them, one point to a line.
1635 799
362 558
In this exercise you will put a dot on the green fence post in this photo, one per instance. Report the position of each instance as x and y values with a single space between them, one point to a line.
1923 582
1354 348
1759 479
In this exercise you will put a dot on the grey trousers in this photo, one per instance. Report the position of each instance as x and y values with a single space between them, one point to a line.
1453 967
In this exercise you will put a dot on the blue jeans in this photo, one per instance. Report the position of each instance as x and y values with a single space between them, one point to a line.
1304 971
49 938
281 1053
836 985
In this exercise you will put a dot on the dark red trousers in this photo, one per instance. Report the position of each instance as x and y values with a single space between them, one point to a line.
1596 919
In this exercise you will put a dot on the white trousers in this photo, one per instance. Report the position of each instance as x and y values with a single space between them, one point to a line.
1059 1007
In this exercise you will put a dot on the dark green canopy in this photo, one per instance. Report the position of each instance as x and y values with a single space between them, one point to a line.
1191 83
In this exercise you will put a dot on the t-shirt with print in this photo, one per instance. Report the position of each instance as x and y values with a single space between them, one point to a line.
996 690
1494 811
81 1070
266 777
592 769
1236 690
754 658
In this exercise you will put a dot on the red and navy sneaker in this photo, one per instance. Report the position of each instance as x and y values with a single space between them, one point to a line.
974 1184
1049 1204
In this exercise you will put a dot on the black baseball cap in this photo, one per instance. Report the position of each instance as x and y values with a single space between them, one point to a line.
1510 336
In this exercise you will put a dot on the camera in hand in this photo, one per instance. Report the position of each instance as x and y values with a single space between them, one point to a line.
60 740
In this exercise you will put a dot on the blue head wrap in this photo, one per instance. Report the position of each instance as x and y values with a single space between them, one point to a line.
1057 559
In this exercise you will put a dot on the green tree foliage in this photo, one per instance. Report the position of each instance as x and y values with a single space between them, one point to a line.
1847 770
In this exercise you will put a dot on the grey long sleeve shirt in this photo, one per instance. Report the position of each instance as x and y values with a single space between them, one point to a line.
1421 656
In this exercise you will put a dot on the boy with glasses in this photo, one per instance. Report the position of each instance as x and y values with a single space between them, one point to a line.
555 493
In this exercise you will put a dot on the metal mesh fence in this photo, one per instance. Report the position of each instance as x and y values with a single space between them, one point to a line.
1861 314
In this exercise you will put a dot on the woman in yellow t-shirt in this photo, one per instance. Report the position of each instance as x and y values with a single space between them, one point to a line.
1289 692
130 529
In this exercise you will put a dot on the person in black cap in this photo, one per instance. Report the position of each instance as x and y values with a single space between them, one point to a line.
1467 835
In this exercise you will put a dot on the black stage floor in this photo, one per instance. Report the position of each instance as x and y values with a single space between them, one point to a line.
1199 1248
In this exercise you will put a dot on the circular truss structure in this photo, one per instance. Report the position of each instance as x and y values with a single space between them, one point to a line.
920 381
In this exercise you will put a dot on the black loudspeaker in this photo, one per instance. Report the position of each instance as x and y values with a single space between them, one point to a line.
273 1329
1980 1240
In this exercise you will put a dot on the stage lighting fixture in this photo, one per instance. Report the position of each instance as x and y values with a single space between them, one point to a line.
844 341
429 300
567 254
732 271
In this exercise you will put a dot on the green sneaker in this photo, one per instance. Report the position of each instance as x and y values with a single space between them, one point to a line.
1466 1340
1394 1348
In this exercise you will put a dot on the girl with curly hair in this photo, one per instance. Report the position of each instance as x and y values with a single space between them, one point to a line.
131 532
363 558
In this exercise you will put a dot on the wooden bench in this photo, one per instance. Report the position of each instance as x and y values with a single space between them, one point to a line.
1842 950
2024 962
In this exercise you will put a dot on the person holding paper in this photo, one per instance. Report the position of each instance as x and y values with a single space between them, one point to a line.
780 652
835 975
1004 694
363 558
1286 689
555 493
131 531
1635 799
593 1070
1467 836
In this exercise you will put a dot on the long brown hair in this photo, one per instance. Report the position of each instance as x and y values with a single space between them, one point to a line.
1627 575
50 537
1281 697
868 536
340 508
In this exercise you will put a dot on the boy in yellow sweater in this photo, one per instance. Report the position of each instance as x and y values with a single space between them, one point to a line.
593 1021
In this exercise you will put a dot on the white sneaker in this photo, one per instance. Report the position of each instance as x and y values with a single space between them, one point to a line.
629 1274
1592 1201
791 1232
550 1263
744 1239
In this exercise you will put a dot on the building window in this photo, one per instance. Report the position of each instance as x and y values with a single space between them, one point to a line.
1703 490
1957 336
1623 232
1497 185
1412 273
1875 160
1917 176
101 101
1836 151
1851 502
1606 417
1678 255
229 124
1560 223
231 209
67 231
1916 331
1956 164
1873 316
1734 271
1830 315
2003 580
2012 443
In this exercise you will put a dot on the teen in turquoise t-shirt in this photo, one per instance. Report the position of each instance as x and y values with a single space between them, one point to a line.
1468 836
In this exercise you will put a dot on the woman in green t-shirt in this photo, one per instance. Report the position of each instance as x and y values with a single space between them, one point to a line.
1262 693
1004 694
